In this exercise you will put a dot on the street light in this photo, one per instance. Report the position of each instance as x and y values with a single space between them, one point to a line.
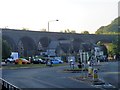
70 51
48 31
51 21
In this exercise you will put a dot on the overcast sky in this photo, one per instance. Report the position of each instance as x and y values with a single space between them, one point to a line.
76 15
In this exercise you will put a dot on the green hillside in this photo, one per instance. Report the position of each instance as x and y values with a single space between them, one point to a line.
112 28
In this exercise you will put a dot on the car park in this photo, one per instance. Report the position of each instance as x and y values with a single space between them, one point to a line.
23 60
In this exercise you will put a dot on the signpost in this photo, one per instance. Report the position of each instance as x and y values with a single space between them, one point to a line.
84 56
95 75
90 71
84 59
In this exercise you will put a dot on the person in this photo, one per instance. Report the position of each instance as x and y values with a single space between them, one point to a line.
79 64
46 62
117 56
83 65
5 61
51 63
72 63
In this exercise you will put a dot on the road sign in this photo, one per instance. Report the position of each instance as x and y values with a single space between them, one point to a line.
95 75
90 71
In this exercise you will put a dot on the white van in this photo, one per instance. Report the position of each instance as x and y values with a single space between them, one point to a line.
13 57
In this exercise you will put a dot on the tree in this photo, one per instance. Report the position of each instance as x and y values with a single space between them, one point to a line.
68 31
6 50
99 43
25 28
43 30
111 28
105 51
73 31
103 48
84 32
114 48
100 30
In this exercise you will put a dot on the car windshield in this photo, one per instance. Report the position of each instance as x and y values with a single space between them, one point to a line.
24 59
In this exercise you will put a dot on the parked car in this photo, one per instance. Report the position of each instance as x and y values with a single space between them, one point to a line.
10 60
56 61
24 61
102 58
13 57
60 61
38 61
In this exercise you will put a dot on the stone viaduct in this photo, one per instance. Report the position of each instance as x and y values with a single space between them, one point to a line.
29 43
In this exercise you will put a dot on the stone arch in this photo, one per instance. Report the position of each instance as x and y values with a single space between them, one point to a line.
10 42
62 38
76 44
103 41
45 41
39 48
26 47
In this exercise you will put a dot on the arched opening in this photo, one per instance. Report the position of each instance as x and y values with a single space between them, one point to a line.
76 44
11 42
39 48
45 41
104 41
26 47
62 38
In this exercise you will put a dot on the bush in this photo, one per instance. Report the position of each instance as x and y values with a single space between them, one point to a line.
6 50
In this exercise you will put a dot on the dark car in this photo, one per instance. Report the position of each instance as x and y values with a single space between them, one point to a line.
38 61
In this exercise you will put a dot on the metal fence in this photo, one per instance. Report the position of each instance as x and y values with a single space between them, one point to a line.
7 86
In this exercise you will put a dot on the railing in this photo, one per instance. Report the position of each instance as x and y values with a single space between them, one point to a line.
7 86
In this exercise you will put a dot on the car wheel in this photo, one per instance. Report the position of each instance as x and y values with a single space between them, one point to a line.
16 63
23 62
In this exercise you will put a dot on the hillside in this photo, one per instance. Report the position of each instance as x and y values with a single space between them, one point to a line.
112 28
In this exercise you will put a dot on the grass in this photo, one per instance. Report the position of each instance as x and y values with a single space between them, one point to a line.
54 65
16 66
75 69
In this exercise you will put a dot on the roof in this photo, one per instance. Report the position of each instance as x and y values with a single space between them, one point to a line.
53 44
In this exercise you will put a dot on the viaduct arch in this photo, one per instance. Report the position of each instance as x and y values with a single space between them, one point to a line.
29 43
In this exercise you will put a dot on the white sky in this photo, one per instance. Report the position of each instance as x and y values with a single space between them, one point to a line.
76 15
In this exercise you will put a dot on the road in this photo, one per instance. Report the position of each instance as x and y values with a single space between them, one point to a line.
54 77
110 72
51 77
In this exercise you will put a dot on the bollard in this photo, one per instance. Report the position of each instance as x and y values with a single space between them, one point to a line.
90 71
95 75
98 62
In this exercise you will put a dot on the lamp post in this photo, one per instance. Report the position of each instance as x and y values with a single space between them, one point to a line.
71 41
48 31
51 21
